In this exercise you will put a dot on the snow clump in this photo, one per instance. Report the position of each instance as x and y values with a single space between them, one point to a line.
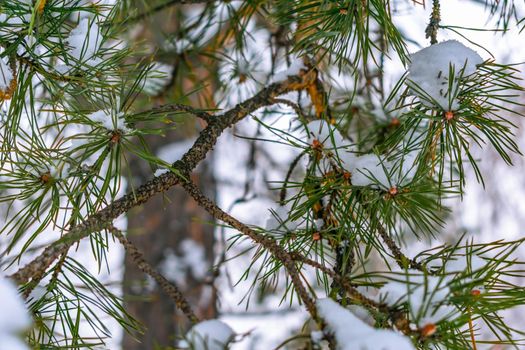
14 318
108 121
428 73
351 333
209 335
366 170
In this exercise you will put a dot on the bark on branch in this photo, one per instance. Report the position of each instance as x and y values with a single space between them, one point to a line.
167 286
278 252
207 139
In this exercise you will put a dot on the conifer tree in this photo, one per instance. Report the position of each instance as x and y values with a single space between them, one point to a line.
369 166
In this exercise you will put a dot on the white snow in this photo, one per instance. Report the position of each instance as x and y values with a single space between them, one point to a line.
6 74
85 41
376 171
429 72
368 169
427 297
353 334
279 220
12 342
158 78
325 133
108 121
316 336
192 258
160 172
173 152
210 335
14 317
294 69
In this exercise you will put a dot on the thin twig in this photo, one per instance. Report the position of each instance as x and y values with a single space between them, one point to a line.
282 195
177 107
471 329
401 259
433 24
268 243
167 286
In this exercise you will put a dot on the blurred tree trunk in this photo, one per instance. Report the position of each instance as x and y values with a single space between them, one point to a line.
159 226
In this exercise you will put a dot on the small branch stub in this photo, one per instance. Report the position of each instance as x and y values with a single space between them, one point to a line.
428 330
393 191
475 292
45 178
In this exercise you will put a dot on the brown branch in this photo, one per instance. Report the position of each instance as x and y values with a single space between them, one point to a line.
102 219
176 107
398 318
433 24
401 259
294 106
270 244
282 195
167 286
354 294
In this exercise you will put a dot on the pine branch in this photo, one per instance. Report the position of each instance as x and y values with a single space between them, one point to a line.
267 243
177 107
167 286
205 142
401 259
433 24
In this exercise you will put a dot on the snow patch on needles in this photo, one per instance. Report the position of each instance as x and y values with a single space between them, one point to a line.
377 172
431 68
6 74
108 121
209 335
14 318
85 41
426 296
367 170
351 333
